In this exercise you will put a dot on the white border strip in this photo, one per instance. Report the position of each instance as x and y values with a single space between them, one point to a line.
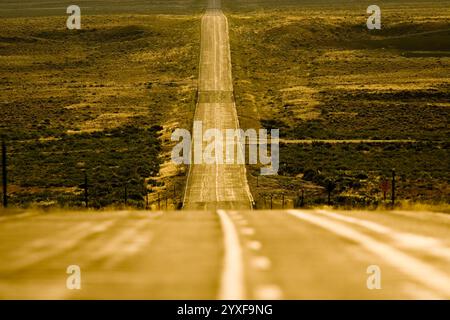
429 245
232 278
421 272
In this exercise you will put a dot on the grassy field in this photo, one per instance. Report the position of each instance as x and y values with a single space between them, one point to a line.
38 8
102 100
316 73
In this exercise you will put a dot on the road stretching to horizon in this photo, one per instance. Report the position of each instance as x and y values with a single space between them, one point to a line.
217 247
216 186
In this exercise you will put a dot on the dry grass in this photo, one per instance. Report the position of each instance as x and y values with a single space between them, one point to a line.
315 72
77 93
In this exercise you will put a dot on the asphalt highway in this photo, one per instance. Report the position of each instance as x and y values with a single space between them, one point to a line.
226 254
218 247
219 185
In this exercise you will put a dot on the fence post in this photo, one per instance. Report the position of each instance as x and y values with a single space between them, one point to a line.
384 187
145 190
302 199
271 203
282 202
4 173
174 193
86 195
393 188
159 201
126 194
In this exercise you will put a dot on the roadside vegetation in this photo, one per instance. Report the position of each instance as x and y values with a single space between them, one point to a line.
317 74
102 101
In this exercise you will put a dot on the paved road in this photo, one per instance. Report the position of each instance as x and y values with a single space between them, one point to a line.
214 186
217 247
225 254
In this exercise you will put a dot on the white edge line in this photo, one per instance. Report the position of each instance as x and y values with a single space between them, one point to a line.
246 185
232 277
427 244
416 269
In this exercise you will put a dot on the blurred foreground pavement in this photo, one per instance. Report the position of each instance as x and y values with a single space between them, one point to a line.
292 254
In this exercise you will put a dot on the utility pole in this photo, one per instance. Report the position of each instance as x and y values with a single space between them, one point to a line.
4 174
393 188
